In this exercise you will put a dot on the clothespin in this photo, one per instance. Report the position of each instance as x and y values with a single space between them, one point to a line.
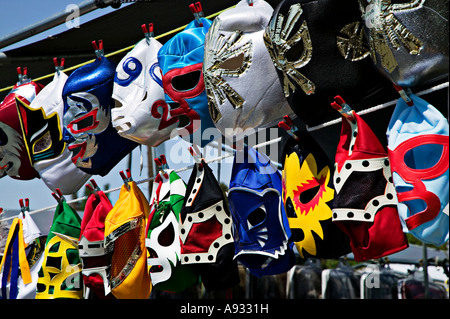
196 154
288 125
24 207
58 67
250 3
22 73
58 196
343 108
161 162
404 94
126 178
93 187
99 52
196 9
148 32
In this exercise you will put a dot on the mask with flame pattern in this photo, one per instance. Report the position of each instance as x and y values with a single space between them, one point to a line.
308 196
261 229
405 37
60 273
369 215
181 61
163 237
316 61
205 230
91 245
418 150
95 144
14 159
141 113
235 56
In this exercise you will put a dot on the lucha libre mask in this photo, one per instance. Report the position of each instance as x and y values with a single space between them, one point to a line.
261 237
235 56
405 37
95 144
205 230
125 244
91 244
368 216
41 123
418 150
181 60
14 158
60 273
163 239
141 113
308 196
315 61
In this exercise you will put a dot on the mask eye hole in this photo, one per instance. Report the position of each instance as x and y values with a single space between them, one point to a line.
233 63
423 156
290 211
186 82
295 52
43 143
256 217
3 138
117 104
167 236
308 195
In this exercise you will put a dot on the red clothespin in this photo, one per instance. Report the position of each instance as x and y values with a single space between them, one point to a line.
148 32
343 108
250 3
99 52
93 187
196 154
24 207
126 178
58 66
403 94
22 74
161 162
58 196
288 125
196 9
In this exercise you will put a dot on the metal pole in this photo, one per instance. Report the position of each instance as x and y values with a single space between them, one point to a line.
425 270
48 23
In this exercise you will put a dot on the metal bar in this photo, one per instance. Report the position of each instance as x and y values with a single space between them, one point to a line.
48 23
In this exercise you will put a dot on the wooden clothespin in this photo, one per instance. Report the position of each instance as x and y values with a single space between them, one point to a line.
342 107
148 32
24 207
93 187
126 178
288 125
58 66
99 52
58 196
404 94
197 11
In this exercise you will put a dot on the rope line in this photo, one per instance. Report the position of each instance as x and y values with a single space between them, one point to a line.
117 52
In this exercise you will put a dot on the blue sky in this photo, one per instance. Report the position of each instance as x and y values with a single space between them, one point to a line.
16 15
